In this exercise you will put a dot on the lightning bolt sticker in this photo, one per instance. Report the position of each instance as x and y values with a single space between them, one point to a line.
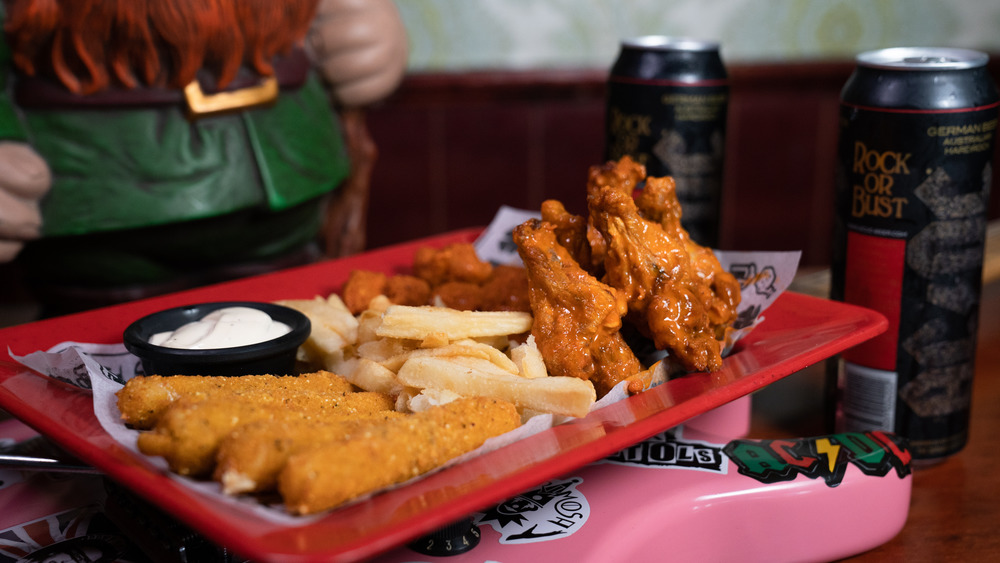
830 450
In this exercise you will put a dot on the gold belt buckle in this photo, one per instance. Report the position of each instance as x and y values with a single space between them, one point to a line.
201 104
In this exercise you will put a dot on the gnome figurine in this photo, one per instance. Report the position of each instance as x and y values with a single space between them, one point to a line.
147 146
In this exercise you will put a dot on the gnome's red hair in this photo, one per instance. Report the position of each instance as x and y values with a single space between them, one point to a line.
89 45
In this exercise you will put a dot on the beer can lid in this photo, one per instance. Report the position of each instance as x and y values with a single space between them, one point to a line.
668 43
923 58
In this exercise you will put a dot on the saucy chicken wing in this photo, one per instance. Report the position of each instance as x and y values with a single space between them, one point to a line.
576 317
575 233
658 202
678 294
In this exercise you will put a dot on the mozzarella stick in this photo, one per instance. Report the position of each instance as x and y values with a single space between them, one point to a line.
188 433
381 454
143 399
251 457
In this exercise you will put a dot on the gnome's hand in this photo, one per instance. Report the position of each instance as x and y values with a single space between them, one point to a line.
24 179
360 47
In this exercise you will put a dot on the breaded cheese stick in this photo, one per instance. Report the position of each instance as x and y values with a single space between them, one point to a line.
188 433
143 399
389 452
251 457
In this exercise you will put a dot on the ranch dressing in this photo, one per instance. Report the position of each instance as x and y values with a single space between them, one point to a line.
223 328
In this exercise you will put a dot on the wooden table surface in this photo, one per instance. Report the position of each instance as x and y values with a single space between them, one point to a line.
955 507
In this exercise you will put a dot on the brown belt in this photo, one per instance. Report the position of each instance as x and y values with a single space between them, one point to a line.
200 97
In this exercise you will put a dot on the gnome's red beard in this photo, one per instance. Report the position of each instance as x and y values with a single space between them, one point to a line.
90 45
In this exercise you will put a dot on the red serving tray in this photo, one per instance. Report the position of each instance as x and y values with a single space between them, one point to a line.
797 332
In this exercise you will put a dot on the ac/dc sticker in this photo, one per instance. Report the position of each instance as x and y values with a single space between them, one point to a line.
875 453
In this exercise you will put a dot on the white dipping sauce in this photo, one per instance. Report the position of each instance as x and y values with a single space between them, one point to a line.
223 328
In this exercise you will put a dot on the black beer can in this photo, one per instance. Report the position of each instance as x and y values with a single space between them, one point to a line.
916 139
667 100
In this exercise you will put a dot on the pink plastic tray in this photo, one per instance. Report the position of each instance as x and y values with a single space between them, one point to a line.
798 331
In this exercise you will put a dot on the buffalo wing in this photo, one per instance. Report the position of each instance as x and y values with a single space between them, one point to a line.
678 294
576 317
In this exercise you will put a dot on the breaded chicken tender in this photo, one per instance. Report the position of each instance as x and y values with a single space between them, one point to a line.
506 290
361 287
381 454
189 432
455 262
143 399
364 285
251 457
402 289
464 296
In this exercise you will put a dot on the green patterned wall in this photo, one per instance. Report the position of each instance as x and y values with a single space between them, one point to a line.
531 34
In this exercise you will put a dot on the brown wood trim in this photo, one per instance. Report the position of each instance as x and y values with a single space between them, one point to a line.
789 75
441 88
566 84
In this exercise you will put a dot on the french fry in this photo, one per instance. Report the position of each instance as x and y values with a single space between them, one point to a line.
419 400
369 375
371 318
528 359
466 348
334 328
401 321
387 350
491 353
435 340
475 377
498 341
